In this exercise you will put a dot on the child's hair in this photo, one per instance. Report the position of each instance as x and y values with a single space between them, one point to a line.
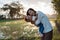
30 9
26 19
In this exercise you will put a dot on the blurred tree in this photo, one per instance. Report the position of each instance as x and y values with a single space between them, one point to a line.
15 8
56 4
2 17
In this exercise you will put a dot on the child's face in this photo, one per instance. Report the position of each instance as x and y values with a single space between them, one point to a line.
29 18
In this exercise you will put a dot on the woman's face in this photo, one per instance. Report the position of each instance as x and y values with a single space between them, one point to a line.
31 12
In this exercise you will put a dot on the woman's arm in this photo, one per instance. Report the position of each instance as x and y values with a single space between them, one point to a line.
33 22
34 18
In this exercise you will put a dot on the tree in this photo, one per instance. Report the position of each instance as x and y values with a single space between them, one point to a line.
15 8
56 4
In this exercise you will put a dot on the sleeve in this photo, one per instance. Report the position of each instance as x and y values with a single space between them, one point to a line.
38 20
40 16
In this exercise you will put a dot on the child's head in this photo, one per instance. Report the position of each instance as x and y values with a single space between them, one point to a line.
28 18
31 12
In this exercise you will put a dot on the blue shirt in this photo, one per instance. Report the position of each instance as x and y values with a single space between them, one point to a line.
41 27
44 20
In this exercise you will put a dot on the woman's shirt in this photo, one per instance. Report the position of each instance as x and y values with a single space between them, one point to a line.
44 20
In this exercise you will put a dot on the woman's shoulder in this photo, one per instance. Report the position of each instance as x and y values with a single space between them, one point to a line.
40 13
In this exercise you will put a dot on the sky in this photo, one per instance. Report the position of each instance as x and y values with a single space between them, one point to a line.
43 5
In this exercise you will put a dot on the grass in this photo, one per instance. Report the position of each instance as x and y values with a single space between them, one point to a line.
14 29
56 34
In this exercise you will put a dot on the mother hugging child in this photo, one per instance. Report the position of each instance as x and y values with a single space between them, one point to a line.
40 20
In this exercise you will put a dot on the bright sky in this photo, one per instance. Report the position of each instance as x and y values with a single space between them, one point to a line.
42 5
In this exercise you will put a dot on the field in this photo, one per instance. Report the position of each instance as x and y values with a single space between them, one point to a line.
21 30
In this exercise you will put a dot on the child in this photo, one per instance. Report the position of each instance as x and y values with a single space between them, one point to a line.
40 25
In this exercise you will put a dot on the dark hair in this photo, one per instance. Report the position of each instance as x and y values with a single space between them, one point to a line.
30 9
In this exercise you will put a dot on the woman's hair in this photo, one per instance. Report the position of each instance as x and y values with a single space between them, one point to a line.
30 9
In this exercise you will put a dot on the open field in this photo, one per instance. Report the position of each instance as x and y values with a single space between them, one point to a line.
19 29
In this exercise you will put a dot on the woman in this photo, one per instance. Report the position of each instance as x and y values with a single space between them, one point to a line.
48 31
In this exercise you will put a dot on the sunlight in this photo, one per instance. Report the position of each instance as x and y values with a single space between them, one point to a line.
42 6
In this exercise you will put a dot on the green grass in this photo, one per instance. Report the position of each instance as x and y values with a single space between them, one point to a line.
15 28
56 34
